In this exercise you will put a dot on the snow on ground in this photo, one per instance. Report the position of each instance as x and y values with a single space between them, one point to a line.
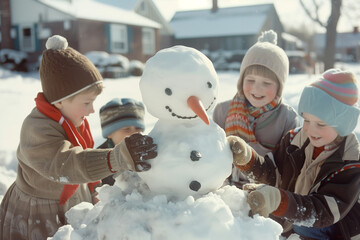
129 210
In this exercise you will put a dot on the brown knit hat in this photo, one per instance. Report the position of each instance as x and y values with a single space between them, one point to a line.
266 53
64 71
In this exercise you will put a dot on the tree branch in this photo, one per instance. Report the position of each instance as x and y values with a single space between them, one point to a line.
308 13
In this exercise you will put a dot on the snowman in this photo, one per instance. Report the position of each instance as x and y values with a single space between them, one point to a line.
179 87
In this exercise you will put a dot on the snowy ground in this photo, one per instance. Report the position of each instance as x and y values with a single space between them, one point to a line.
224 212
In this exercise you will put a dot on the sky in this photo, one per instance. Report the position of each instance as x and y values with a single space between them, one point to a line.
128 210
290 11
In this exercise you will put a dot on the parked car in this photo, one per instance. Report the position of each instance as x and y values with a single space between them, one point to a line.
110 65
13 60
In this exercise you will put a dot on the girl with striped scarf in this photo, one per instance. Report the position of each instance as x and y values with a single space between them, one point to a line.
257 113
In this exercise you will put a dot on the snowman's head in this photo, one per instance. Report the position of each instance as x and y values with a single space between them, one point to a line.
175 80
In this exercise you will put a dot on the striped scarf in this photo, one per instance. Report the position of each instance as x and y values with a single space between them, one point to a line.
83 139
241 114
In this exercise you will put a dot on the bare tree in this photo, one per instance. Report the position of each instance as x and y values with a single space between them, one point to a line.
330 26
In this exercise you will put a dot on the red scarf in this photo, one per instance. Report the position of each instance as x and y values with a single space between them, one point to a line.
83 139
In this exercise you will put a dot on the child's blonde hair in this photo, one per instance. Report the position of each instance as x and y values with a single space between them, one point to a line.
260 71
96 89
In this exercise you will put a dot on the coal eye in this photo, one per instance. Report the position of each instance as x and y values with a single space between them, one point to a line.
168 91
209 84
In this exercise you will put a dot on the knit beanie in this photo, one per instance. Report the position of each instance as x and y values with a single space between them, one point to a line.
119 113
266 53
64 71
333 99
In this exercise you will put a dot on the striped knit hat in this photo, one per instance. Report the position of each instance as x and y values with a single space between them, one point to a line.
333 99
119 113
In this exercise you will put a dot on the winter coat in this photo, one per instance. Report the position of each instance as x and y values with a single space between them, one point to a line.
270 126
109 179
333 195
46 162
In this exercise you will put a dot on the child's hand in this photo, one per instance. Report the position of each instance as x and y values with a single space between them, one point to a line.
141 148
263 199
240 149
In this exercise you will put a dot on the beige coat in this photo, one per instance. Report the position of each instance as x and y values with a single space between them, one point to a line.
46 162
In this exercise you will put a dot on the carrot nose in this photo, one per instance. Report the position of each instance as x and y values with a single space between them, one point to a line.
196 105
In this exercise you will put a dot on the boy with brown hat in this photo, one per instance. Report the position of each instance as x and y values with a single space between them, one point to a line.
57 166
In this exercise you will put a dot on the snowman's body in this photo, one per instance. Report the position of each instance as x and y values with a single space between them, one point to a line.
179 86
199 151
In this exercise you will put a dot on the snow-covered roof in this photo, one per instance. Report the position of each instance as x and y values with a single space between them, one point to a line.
243 20
124 4
291 38
91 10
343 40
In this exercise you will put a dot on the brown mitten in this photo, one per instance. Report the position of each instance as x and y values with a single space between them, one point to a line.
240 149
141 148
263 199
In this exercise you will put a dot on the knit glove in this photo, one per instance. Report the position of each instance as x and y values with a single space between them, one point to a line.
133 152
141 148
240 149
263 199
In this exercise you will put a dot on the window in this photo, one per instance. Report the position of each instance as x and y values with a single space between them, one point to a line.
67 25
118 39
148 41
143 8
27 38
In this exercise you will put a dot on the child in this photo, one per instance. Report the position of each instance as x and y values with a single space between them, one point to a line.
120 118
257 113
55 157
313 176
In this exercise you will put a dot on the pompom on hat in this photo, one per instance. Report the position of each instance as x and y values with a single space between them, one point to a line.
333 99
119 113
266 53
64 71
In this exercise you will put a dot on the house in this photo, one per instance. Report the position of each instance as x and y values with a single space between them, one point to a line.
88 26
148 9
347 45
227 29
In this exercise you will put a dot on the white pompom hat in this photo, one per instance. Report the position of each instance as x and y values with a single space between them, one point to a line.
266 53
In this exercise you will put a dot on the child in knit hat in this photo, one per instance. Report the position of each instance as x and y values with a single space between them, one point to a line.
120 118
312 179
257 113
57 167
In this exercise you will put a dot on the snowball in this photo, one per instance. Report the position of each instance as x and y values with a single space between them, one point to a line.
56 42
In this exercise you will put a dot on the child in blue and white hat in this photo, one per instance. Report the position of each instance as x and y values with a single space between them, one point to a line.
311 182
120 117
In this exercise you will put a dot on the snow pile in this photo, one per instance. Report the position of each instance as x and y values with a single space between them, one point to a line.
12 55
128 210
